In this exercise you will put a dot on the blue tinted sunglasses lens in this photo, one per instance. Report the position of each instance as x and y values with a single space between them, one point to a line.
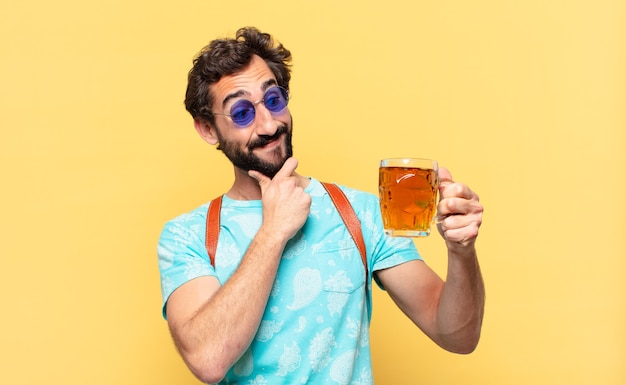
243 111
275 99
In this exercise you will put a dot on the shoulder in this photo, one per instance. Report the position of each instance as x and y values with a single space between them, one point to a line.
355 196
186 224
358 196
365 205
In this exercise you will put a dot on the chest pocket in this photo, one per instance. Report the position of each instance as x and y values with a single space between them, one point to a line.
339 263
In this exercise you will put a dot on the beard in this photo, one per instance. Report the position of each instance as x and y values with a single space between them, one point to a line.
245 159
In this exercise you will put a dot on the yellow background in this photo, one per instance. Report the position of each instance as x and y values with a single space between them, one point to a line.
523 100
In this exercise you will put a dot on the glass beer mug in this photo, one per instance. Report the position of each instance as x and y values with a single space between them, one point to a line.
408 190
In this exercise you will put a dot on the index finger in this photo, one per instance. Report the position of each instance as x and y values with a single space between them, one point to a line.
288 168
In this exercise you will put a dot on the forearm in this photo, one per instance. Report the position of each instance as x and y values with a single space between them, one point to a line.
461 305
224 326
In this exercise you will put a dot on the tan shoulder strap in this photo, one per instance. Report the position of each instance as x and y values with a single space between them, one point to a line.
339 199
349 218
213 227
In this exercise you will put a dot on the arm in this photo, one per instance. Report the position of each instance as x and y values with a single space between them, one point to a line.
213 326
449 312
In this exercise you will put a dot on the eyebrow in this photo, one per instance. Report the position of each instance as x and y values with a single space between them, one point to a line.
267 84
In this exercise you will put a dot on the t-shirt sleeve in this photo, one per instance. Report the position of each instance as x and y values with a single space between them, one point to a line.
182 254
386 251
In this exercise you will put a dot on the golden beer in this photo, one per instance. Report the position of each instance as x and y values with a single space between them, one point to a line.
408 196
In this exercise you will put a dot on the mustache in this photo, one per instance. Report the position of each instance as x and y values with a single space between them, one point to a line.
265 139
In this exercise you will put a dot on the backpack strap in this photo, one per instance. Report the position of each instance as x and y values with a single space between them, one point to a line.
339 199
349 218
213 227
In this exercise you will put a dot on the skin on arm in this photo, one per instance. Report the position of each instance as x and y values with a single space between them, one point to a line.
213 325
449 312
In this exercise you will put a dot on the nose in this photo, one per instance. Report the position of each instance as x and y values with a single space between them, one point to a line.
264 121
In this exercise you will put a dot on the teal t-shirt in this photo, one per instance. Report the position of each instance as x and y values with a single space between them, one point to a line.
315 328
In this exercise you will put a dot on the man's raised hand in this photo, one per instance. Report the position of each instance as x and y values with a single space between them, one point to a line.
285 204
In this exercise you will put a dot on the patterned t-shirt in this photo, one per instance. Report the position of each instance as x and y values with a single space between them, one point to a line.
315 329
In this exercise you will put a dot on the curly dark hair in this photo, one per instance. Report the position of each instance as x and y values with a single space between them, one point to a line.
227 56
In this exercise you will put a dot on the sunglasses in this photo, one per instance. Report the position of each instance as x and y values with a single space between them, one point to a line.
243 111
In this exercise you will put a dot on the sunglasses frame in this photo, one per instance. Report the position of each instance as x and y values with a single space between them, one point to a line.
250 106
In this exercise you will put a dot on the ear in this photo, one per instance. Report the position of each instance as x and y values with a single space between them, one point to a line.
206 131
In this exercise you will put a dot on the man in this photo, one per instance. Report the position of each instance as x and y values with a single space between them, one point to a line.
287 300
